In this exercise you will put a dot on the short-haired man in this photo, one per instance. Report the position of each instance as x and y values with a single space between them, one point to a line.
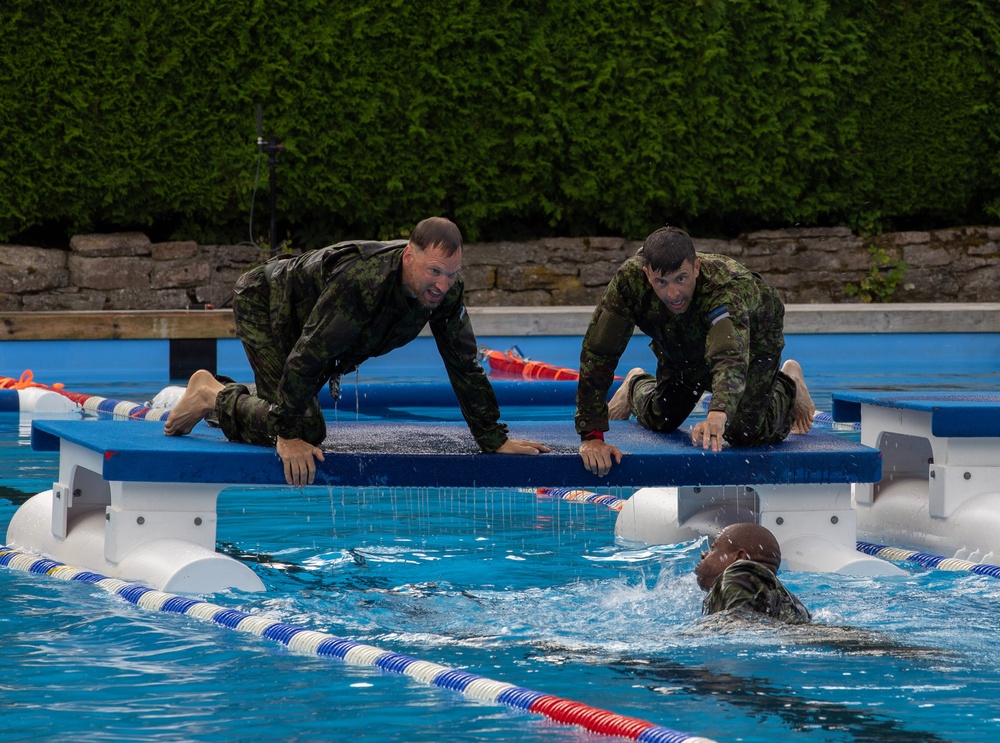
308 320
714 326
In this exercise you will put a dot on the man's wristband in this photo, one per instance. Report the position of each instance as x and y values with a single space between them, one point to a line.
595 434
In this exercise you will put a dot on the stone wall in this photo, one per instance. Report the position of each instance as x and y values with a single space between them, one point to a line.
808 266
120 271
126 271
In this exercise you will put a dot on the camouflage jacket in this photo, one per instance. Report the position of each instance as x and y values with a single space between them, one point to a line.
751 587
335 307
734 317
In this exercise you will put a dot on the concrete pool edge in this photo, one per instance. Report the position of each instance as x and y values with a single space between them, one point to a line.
983 317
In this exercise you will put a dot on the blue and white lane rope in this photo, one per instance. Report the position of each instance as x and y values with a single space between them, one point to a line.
891 554
593 719
823 418
935 562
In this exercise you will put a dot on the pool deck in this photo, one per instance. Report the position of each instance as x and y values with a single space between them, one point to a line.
501 321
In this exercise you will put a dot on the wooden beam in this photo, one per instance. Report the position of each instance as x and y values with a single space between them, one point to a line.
489 321
113 325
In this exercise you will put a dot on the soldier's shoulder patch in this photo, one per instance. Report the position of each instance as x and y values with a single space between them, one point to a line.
719 313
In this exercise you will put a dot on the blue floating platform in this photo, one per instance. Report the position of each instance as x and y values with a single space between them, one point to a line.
416 454
10 401
957 415
366 396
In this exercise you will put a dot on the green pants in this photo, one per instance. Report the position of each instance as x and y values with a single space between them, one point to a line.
244 413
763 416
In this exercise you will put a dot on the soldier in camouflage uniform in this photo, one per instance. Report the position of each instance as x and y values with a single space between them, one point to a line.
308 320
739 572
714 326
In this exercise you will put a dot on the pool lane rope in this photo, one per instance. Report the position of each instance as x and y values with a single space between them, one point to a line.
155 412
891 554
926 560
90 403
579 496
116 408
560 710
821 417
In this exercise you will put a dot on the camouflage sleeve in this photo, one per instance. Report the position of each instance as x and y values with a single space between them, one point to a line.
456 343
749 586
605 341
334 323
727 350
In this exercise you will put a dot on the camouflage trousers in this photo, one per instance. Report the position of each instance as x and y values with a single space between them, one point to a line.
763 416
244 414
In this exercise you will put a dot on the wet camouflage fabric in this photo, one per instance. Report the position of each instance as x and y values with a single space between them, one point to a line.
307 320
728 342
751 587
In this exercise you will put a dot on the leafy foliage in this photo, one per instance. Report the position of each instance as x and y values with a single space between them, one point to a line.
568 116
880 282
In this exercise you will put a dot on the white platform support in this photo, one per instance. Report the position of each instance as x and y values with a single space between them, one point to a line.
138 505
157 533
938 493
815 524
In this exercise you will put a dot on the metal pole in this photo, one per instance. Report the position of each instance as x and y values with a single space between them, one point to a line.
272 147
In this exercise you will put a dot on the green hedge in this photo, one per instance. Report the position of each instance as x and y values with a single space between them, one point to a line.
513 117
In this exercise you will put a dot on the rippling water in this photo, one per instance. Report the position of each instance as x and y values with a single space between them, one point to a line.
507 585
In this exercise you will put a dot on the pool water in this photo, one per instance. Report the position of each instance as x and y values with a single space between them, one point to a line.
505 584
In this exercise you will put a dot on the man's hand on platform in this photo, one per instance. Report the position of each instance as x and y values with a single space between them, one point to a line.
299 459
597 456
708 433
521 446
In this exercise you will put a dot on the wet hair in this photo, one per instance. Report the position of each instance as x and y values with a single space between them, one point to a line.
437 231
665 250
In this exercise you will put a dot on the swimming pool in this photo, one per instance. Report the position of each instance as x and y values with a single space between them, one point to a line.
511 586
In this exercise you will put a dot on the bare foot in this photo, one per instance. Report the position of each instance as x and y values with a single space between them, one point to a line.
804 409
618 409
196 403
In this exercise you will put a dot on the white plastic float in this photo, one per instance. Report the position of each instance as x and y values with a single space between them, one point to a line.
815 525
939 490
940 486
38 401
163 533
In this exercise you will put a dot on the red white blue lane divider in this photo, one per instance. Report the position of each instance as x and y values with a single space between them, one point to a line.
581 496
117 408
561 710
11 390
935 562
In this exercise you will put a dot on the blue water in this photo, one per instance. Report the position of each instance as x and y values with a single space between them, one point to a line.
507 585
